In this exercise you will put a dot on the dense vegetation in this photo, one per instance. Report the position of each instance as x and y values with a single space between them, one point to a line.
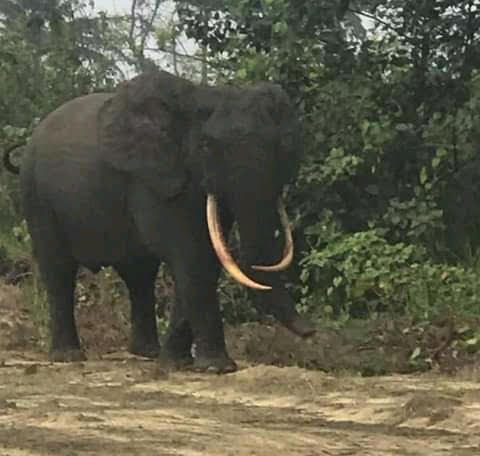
385 207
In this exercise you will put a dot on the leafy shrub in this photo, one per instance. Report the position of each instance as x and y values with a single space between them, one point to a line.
362 274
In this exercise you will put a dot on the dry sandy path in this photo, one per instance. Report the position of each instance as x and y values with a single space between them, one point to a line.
127 406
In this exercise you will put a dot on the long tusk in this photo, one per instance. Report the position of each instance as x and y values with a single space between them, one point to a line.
288 249
218 242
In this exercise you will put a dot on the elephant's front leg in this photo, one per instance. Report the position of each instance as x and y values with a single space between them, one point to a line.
176 230
196 282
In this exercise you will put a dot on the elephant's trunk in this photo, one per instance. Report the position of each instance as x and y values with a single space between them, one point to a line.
219 245
288 249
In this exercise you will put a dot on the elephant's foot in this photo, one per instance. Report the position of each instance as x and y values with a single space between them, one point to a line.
68 355
177 346
175 355
146 349
175 360
221 364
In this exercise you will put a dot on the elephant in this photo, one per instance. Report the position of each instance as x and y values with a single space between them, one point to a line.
158 170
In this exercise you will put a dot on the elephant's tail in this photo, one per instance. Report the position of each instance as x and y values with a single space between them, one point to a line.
15 169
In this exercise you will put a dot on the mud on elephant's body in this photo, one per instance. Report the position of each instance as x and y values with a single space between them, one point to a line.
123 179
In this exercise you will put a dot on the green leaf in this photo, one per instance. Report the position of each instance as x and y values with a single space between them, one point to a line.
337 281
472 341
242 73
415 354
423 175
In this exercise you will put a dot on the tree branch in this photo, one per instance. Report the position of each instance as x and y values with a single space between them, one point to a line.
132 22
371 16
186 56
149 25
131 38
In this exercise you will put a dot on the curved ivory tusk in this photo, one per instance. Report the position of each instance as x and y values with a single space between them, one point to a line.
288 250
218 242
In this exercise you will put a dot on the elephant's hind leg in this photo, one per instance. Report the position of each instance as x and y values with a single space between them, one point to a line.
139 276
58 271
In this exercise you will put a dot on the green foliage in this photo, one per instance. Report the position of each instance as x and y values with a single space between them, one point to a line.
275 39
13 235
358 269
50 53
362 273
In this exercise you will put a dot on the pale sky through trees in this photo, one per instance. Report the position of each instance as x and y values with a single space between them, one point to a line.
185 46
114 6
121 6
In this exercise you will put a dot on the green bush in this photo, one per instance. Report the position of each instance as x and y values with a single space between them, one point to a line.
363 274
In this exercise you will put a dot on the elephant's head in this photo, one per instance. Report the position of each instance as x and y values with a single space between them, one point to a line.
250 143
250 147
238 146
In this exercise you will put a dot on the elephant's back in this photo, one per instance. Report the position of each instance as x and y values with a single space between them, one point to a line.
71 126
64 147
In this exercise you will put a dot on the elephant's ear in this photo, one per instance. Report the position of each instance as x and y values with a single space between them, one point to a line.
141 127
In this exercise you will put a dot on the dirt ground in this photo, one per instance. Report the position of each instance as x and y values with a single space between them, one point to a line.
335 404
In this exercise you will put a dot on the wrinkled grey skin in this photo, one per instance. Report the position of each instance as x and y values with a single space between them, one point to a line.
121 179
